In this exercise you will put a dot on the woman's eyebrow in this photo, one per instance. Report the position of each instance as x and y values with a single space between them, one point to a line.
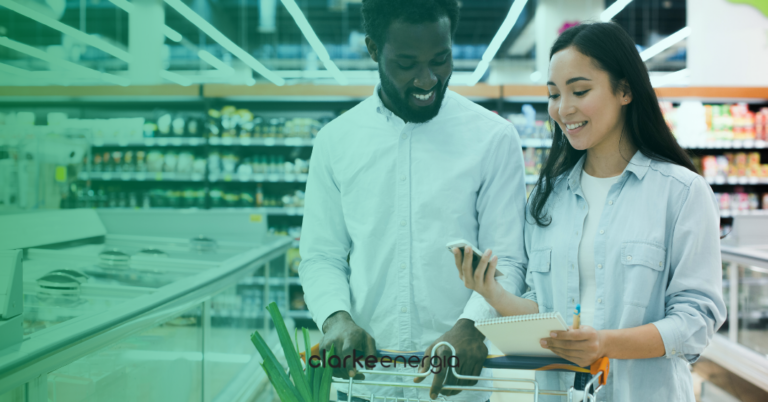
570 81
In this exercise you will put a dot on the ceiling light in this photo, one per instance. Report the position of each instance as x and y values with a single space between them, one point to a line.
216 63
34 52
66 29
498 39
222 40
665 43
130 7
670 79
614 9
314 41
175 78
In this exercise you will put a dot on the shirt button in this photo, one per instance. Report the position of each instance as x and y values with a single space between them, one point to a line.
602 231
599 266
402 178
673 351
402 266
610 202
404 310
661 264
599 301
573 301
629 258
403 222
571 267
404 136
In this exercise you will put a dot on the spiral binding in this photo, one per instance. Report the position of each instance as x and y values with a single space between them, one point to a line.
519 318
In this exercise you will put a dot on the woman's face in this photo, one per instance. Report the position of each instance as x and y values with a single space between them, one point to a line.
582 101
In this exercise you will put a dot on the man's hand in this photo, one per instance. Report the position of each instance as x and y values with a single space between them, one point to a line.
341 331
470 351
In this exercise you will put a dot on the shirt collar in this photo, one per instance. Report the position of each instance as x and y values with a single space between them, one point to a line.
638 165
379 104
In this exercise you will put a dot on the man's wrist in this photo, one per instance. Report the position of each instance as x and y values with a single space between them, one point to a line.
606 342
334 318
468 326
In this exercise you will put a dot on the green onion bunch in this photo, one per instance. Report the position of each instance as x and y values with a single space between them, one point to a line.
312 385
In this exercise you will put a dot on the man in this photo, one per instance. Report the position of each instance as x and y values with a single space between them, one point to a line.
391 182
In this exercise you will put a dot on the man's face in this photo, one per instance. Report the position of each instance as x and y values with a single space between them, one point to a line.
415 66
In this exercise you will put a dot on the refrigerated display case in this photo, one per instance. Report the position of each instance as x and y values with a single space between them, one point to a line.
109 314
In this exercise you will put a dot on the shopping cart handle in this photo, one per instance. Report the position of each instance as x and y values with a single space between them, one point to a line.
602 365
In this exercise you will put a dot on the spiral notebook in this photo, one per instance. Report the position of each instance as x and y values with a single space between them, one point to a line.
519 335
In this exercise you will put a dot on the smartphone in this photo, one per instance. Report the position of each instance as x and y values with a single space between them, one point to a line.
476 254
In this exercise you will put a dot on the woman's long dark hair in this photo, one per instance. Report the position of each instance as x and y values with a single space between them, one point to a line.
614 52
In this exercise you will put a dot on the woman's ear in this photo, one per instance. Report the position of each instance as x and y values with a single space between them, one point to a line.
626 93
373 50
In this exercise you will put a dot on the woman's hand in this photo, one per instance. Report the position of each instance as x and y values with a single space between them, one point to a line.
482 280
582 346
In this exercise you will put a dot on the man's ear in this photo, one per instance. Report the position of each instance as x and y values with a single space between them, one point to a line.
373 49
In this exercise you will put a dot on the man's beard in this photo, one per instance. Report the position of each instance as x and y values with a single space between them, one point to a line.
403 109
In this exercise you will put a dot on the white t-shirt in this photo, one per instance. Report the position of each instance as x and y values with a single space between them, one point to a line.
595 191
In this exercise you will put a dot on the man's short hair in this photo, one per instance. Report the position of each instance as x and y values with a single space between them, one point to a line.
378 15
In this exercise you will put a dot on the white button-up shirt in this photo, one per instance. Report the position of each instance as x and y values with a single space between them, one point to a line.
391 195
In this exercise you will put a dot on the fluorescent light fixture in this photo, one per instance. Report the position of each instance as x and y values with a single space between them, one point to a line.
614 9
222 40
314 41
665 43
130 7
15 70
175 78
31 51
536 76
68 30
498 39
216 63
670 79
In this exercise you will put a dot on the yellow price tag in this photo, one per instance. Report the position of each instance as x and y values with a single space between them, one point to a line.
159 177
256 218
61 174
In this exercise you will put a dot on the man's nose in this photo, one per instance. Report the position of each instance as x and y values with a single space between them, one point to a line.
425 79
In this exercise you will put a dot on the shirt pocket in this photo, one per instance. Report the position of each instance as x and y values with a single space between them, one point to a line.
643 263
539 267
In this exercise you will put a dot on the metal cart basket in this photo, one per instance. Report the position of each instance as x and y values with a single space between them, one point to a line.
598 372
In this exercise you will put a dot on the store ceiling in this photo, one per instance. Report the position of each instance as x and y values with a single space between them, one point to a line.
338 24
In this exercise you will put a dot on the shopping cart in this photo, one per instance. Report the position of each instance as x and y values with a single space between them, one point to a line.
597 373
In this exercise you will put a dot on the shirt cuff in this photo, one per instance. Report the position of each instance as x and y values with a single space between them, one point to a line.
673 346
530 296
322 314
478 309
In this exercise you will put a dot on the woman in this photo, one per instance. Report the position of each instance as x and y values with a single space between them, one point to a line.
620 223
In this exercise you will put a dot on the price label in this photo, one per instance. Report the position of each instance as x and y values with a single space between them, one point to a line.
273 177
159 176
122 142
98 142
149 142
258 178
302 177
738 144
244 177
82 176
749 143
162 142
719 180
759 144
227 177
214 140
743 180
753 180
193 141
176 142
733 180
269 142
141 176
125 176
197 177
245 141
290 178
106 176
227 141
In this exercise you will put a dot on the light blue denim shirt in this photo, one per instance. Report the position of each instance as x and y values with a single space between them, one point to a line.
657 260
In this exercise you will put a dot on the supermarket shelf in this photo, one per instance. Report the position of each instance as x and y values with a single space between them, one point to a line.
536 142
272 211
258 178
300 314
97 93
733 180
260 281
320 93
729 213
263 142
724 144
149 142
531 179
141 176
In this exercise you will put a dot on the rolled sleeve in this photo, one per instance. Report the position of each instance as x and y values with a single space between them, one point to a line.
325 242
695 308
500 215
